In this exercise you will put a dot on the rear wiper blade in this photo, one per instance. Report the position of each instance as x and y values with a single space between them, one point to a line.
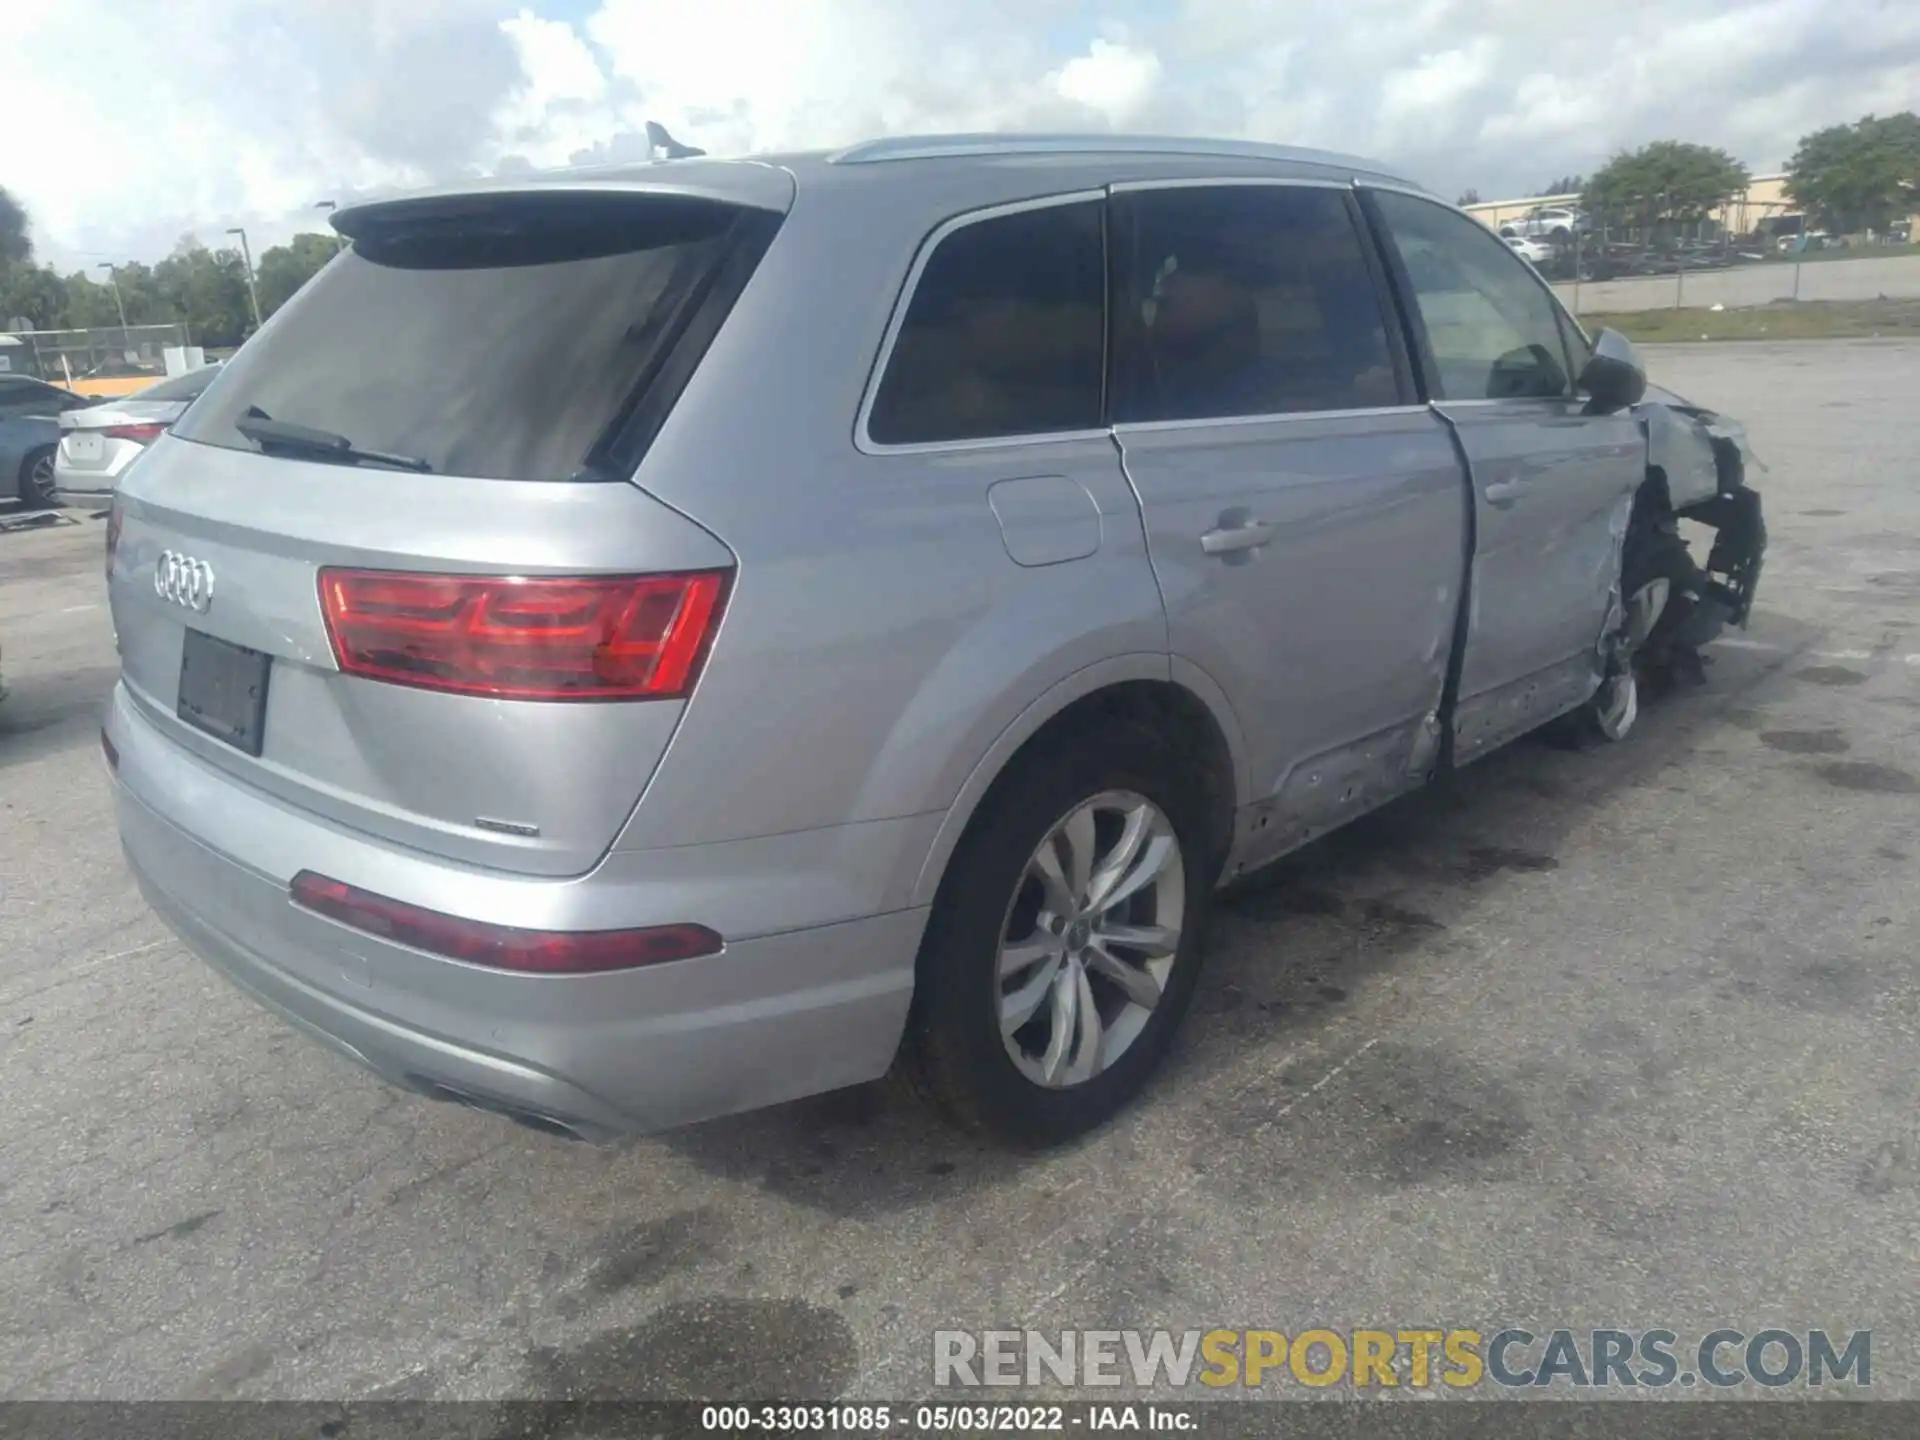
269 433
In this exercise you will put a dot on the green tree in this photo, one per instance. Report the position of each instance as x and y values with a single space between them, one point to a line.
207 290
1861 176
16 244
1468 197
89 304
285 268
1662 185
34 291
1566 185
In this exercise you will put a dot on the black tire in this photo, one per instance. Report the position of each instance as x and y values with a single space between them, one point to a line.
36 481
1653 550
954 1052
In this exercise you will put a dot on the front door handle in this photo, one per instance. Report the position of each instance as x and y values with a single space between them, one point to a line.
1502 492
1247 535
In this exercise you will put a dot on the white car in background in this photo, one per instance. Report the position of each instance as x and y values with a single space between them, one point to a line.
1550 222
97 444
1531 251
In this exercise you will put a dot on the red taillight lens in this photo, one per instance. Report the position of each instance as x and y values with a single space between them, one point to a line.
113 535
626 638
501 947
140 434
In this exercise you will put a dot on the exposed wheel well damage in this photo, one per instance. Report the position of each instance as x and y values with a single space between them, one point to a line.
1704 599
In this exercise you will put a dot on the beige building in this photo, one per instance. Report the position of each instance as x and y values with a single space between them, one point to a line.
1764 198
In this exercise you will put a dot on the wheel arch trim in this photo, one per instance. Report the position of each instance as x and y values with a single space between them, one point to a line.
1050 704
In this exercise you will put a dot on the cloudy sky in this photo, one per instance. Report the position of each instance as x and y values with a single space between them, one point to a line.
132 122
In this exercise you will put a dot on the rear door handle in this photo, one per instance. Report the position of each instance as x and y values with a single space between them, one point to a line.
1502 492
1247 535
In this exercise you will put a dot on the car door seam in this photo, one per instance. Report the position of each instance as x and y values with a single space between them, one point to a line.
1463 611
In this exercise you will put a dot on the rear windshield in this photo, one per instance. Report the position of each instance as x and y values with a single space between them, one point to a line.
503 338
180 387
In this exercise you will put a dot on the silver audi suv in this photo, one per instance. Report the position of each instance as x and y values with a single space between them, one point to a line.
642 643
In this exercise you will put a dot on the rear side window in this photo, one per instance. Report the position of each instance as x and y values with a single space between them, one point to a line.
1004 334
1242 300
30 397
511 337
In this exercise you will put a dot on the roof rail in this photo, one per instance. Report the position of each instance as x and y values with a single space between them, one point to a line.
933 147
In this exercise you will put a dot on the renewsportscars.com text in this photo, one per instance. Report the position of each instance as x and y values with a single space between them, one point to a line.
1417 1359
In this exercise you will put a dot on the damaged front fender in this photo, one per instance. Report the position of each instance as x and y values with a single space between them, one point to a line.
1698 460
1698 452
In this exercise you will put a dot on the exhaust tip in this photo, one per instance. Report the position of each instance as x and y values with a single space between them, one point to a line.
520 1115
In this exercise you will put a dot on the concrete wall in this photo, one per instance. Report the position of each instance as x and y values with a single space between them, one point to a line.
1896 277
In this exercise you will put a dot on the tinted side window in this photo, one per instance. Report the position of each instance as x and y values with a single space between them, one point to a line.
1005 333
1244 300
179 387
30 397
1492 327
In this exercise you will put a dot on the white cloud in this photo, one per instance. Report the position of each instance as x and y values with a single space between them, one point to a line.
1114 78
246 112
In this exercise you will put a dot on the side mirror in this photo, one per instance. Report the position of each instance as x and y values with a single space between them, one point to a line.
1613 378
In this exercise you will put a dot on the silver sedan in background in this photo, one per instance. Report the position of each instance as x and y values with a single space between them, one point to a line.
97 444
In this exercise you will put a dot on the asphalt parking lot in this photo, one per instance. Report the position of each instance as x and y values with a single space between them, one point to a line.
1615 1038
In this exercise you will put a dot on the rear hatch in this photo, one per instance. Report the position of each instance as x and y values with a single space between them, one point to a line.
390 567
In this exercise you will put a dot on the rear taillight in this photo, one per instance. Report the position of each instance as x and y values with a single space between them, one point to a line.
501 947
113 535
512 638
139 434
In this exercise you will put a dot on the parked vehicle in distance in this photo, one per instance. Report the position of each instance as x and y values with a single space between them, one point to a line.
30 415
868 609
1551 222
1534 252
98 443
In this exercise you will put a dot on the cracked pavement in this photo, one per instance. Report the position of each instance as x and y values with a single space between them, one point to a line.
1626 1037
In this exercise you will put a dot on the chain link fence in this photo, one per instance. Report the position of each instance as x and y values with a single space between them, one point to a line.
106 356
1748 252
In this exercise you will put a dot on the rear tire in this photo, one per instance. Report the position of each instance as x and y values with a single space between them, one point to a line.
1011 935
36 481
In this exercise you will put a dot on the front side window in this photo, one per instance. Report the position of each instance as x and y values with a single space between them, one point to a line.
1244 300
1005 333
1492 328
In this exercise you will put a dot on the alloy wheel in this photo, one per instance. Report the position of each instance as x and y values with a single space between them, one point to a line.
1090 939
39 487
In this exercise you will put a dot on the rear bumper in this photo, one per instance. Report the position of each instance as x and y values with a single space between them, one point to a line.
78 487
766 1020
73 497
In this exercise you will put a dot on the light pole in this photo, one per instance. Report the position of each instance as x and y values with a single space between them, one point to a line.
339 240
113 282
246 258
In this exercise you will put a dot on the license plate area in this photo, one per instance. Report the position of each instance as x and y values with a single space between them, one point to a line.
81 446
223 691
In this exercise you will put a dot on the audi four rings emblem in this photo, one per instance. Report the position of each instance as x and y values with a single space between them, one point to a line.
183 580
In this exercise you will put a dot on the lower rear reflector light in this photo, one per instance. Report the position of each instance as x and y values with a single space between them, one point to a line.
501 947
